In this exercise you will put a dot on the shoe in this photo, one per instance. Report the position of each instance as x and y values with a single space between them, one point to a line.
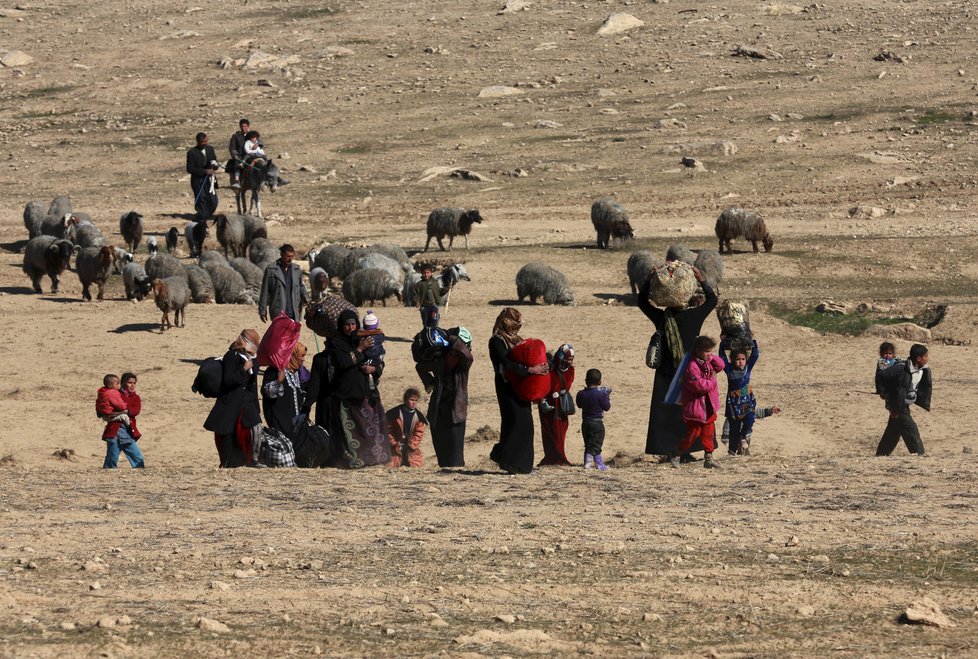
588 461
710 463
599 463
235 186
674 461
744 447
546 407
686 458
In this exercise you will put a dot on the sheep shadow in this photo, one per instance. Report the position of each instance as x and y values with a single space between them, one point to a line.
508 303
190 217
63 300
15 247
17 290
397 339
195 362
472 472
135 327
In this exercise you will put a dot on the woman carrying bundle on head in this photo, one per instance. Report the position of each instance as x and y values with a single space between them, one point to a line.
235 419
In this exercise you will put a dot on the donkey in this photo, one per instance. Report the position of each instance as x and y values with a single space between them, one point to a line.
254 177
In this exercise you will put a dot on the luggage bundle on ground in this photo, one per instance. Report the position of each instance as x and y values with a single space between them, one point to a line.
673 284
276 449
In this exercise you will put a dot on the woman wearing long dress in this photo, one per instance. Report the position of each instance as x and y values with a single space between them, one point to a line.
554 424
449 406
235 419
283 393
514 451
678 327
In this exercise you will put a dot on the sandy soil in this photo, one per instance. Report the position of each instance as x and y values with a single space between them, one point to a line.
809 546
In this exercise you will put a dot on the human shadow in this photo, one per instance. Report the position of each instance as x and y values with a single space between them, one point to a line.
17 290
195 362
190 217
135 327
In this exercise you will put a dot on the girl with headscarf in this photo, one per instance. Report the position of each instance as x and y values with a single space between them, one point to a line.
679 327
283 394
553 424
514 451
356 418
235 419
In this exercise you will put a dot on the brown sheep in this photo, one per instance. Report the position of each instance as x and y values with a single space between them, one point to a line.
735 222
93 265
171 294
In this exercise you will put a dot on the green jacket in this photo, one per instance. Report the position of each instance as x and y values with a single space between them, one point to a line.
428 292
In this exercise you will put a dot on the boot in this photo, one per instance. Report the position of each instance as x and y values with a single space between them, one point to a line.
599 463
674 461
709 462
588 461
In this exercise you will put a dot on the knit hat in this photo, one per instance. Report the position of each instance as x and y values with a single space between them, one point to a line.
370 321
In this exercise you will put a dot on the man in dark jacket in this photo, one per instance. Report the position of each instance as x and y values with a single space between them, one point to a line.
201 165
237 151
905 384
282 288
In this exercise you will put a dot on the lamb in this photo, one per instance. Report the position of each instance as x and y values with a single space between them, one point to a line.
335 259
250 272
57 225
93 264
161 266
734 222
680 252
381 262
85 234
318 284
60 206
34 214
229 286
610 221
231 234
451 222
639 266
151 245
171 294
131 228
254 228
172 238
209 256
119 258
710 264
195 233
541 280
46 255
136 282
201 284
370 285
261 252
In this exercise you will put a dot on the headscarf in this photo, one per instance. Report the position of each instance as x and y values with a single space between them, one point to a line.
246 342
298 356
346 315
508 325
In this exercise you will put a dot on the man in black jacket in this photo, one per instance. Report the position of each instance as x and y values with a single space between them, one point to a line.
201 165
237 151
905 384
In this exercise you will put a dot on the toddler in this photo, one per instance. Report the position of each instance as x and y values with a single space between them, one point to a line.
405 430
593 401
887 359
112 407
700 402
374 354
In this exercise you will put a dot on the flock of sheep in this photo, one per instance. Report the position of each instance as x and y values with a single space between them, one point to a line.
233 275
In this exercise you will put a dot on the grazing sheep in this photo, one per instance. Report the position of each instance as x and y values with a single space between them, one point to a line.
93 265
318 283
392 252
370 285
195 233
151 245
610 221
229 286
171 294
161 266
172 238
262 251
680 252
57 225
201 284
119 258
736 222
60 206
451 222
541 280
131 228
381 262
710 264
639 267
46 255
231 234
137 282
251 273
34 214
85 234
254 228
336 260
209 256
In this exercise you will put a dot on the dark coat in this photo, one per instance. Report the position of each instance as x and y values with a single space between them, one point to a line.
318 389
198 163
239 397
895 383
280 411
236 146
349 382
452 382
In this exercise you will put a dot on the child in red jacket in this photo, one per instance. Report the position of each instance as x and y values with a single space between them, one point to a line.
700 401
112 406
405 430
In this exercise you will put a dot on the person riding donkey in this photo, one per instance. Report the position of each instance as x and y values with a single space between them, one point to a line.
236 147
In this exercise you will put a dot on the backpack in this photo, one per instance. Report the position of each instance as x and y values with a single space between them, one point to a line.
429 344
209 378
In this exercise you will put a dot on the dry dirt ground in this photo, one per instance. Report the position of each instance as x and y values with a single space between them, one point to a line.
811 546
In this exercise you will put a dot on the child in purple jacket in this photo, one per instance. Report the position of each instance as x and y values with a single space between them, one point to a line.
593 401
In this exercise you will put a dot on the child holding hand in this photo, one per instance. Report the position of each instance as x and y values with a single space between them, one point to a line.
700 401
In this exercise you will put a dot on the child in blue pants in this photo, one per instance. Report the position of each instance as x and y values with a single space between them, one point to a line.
741 404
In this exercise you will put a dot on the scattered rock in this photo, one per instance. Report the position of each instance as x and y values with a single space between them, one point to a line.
438 623
547 123
693 163
505 618
124 621
95 586
925 611
830 307
245 574
182 34
671 123
307 168
782 10
469 175
484 434
514 6
8 461
67 626
792 541
211 625
499 91
13 58
219 585
868 212
890 56
619 22
757 53
332 52
902 331
105 622
806 610
651 617
821 558
65 454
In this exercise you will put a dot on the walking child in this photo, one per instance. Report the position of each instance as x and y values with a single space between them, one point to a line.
700 402
593 401
741 406
405 430
112 407
904 384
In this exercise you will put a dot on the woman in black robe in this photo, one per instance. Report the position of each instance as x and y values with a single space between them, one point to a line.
282 393
235 419
666 426
449 406
514 451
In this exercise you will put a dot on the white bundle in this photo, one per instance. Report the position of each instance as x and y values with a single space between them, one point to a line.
734 323
673 284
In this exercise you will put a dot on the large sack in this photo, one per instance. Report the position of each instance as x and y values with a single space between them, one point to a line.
210 374
429 344
673 284
529 352
312 446
321 318
276 449
276 346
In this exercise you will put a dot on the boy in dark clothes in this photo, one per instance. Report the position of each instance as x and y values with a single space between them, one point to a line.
902 385
593 401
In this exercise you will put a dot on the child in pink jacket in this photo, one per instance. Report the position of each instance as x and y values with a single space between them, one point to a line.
700 401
